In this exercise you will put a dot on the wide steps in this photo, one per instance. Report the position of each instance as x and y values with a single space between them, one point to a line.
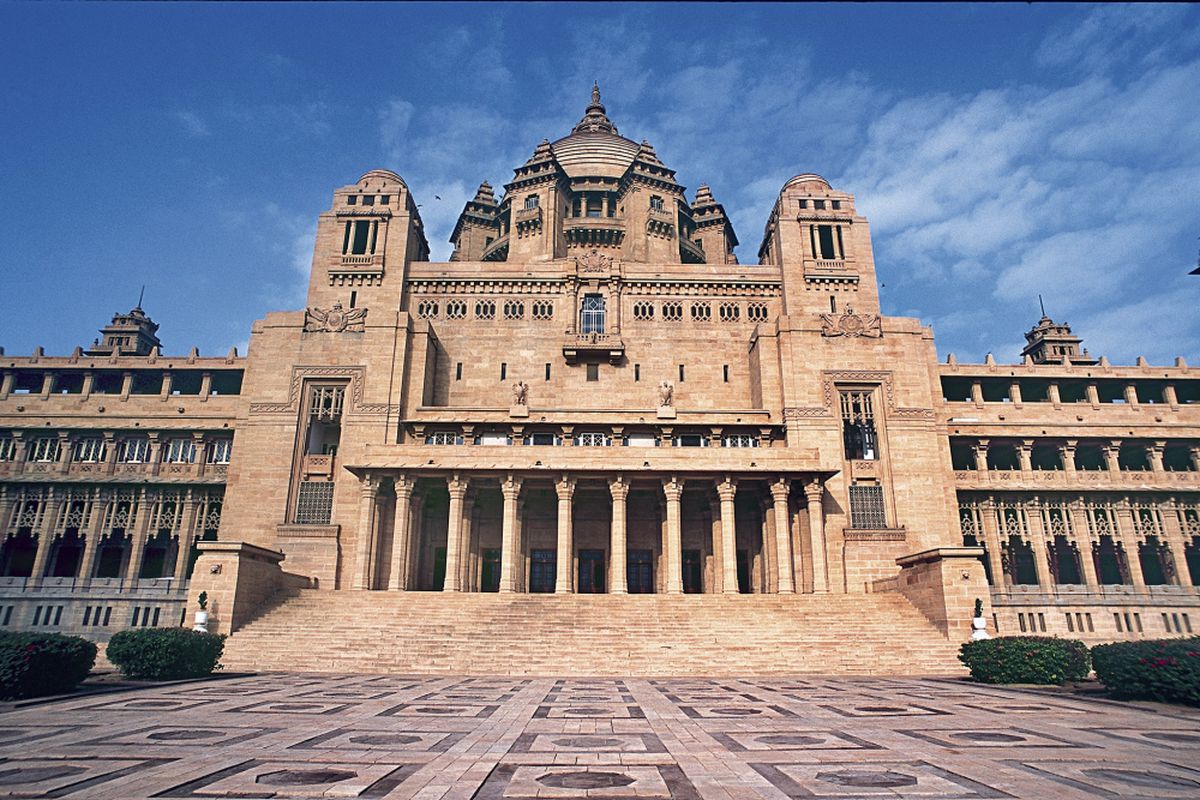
642 635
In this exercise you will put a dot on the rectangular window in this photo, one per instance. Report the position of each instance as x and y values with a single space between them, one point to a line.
656 202
134 451
385 200
314 503
352 200
739 440
547 371
531 201
458 371
725 372
591 315
362 236
825 236
819 205
593 440
44 450
836 205
858 424
593 372
681 373
866 507
691 440
444 437
543 439
641 440
637 372
368 199
495 439
8 448
179 451
219 450
804 204
503 370
89 451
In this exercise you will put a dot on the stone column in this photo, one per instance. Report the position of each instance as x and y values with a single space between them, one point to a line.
727 491
137 544
1173 534
981 451
401 544
1083 540
1037 541
1154 454
565 562
1067 453
511 489
614 313
458 491
714 524
673 547
1025 455
991 535
617 583
1195 453
766 526
91 545
187 532
780 490
365 543
814 491
1127 534
46 535
417 527
1112 455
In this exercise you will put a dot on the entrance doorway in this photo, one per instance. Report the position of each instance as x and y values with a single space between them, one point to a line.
439 569
591 571
743 571
693 568
489 577
541 571
639 572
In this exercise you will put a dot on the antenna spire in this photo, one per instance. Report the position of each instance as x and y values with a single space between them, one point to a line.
1043 305
141 294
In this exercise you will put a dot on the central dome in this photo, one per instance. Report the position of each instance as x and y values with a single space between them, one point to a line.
594 147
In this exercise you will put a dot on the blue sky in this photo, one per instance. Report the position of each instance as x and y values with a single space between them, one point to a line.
999 151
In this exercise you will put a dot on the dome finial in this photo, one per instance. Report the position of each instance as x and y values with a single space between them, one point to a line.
594 118
595 93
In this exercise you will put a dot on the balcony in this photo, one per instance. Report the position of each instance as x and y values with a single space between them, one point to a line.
317 466
582 345
690 252
594 230
1080 479
526 219
496 251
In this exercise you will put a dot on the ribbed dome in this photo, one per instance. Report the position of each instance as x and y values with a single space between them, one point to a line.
596 153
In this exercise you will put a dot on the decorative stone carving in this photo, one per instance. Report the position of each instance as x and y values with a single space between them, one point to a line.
595 261
520 391
666 394
335 320
851 325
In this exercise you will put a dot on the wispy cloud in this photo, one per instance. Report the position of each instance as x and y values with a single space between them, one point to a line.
192 123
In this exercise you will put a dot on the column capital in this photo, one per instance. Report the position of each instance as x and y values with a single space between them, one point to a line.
619 488
457 486
814 489
403 485
565 487
780 489
727 490
672 489
369 483
511 487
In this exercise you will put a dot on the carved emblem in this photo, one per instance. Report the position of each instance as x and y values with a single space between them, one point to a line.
666 394
851 325
335 320
595 261
520 392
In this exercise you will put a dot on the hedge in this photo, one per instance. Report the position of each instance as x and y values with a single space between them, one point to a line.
160 654
1167 670
1026 659
37 664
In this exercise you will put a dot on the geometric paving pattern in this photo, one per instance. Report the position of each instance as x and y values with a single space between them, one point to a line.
390 736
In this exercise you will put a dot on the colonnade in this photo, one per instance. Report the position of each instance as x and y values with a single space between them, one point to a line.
781 556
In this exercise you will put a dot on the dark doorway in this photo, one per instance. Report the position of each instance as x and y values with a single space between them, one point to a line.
1111 566
639 571
1021 564
541 571
112 554
1155 560
693 568
1065 561
439 569
489 578
743 571
17 555
64 558
591 571
1192 554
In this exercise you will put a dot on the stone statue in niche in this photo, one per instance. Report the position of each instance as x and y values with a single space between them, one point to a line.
851 325
520 392
335 320
666 394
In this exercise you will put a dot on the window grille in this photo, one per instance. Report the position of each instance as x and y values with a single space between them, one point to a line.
314 503
643 311
443 437
514 309
531 201
219 450
1146 522
179 451
325 402
90 451
866 507
968 523
1012 522
701 312
134 451
756 312
543 309
485 309
427 309
44 450
739 440
858 424
456 309
730 312
211 519
8 448
593 440
591 315
672 312
656 202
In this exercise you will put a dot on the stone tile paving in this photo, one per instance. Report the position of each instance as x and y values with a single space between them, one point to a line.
303 736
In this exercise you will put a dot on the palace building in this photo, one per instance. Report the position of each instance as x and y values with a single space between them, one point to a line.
593 441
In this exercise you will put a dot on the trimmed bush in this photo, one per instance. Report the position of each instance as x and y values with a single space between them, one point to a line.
163 654
37 664
1166 669
1026 659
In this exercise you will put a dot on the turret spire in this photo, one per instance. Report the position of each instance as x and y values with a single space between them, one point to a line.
594 118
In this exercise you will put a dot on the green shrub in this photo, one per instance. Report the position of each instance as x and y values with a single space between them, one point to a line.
1166 670
37 664
161 654
1026 659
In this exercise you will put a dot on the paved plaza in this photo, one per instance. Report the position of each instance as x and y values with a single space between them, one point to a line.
375 736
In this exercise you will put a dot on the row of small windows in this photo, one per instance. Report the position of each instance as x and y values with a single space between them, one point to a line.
819 205
136 450
595 439
1050 456
540 310
177 383
368 199
591 307
1070 390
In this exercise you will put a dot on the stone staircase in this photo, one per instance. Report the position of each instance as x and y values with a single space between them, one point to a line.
593 635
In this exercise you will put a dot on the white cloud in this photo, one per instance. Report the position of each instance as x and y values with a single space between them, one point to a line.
192 123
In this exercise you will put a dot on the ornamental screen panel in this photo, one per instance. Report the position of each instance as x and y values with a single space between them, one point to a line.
314 503
866 507
858 424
